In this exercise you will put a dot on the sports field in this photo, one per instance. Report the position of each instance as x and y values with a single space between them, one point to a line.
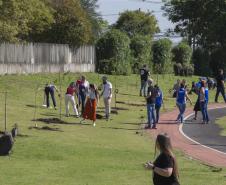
112 153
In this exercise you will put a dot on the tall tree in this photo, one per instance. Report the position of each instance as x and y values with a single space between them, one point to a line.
71 25
137 22
20 20
91 6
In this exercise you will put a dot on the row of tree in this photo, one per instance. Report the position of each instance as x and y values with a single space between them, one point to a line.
129 44
73 22
202 22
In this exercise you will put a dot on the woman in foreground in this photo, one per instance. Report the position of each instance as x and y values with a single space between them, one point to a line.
165 169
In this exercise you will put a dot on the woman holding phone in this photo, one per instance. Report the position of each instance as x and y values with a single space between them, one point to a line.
165 169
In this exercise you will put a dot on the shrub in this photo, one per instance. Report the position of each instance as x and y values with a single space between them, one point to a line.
141 51
182 53
113 53
161 50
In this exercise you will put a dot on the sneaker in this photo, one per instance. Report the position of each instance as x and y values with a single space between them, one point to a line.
77 116
154 127
82 121
147 127
94 124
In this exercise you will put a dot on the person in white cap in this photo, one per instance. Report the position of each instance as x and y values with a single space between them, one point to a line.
107 95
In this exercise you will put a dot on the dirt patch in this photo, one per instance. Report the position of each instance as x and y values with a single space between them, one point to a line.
46 128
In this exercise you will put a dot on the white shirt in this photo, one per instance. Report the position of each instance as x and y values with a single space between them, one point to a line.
107 90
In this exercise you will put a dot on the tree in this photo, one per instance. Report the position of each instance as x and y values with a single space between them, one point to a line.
21 20
137 22
113 53
90 6
161 50
71 25
141 51
182 53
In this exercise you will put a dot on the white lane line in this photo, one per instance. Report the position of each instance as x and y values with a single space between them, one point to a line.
186 136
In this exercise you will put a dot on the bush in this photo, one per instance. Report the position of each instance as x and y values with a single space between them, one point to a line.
182 53
113 53
161 50
201 61
218 60
183 70
141 51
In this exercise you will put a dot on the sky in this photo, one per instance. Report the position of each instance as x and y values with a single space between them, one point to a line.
111 8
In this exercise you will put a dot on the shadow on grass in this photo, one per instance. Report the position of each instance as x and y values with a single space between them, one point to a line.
114 109
46 128
127 94
132 104
58 121
119 128
37 106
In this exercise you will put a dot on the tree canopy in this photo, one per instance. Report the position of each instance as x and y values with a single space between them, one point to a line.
137 22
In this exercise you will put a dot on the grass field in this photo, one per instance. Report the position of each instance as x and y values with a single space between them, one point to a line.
109 154
222 124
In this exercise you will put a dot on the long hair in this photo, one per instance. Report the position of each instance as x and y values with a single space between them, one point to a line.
165 147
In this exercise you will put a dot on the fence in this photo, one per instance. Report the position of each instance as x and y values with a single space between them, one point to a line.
44 58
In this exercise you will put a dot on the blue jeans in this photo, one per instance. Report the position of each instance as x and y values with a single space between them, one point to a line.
157 110
151 114
205 115
181 107
143 88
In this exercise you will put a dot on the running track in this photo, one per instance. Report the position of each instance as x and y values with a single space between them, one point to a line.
190 145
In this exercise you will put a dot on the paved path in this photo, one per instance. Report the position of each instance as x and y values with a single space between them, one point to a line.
208 135
195 150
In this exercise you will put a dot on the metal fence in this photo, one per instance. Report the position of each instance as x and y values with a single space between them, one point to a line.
42 57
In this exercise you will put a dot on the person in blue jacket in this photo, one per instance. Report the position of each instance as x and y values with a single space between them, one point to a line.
158 102
204 99
182 96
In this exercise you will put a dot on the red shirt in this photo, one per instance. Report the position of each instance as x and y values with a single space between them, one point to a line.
71 90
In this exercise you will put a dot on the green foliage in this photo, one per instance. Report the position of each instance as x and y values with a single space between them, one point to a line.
90 7
218 60
137 22
113 53
161 50
203 23
141 51
24 19
201 61
71 24
182 53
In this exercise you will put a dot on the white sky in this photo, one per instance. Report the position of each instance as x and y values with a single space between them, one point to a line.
116 6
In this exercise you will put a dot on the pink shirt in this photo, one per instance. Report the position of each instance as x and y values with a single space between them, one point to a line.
71 90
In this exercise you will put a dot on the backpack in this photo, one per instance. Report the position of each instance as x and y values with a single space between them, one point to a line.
6 144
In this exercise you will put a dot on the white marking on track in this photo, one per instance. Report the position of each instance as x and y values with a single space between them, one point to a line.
196 142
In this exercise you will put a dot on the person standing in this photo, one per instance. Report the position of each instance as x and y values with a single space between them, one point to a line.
83 90
158 102
150 99
50 90
176 88
220 85
91 104
181 102
107 95
165 168
204 98
144 74
69 97
197 104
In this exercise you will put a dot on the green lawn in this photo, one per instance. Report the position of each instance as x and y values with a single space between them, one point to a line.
109 154
222 124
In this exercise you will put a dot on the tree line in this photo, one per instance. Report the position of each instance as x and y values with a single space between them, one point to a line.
129 44
73 22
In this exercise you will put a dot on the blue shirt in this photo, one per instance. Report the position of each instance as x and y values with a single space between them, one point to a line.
207 95
158 100
181 96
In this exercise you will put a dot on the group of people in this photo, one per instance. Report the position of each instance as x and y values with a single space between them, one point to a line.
154 97
87 96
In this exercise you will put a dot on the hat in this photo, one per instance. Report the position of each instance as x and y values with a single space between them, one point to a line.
104 78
